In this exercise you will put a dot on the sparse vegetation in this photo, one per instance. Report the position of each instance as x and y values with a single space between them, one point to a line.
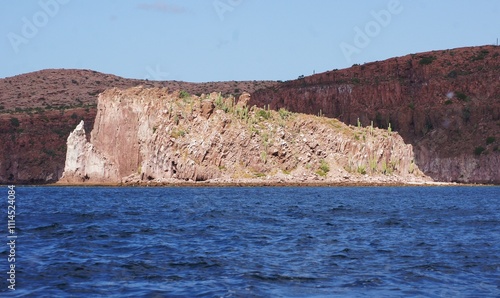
49 152
361 169
478 150
14 122
452 74
387 169
184 94
480 56
461 96
466 114
373 164
324 168
263 156
426 60
284 114
178 132
242 112
265 114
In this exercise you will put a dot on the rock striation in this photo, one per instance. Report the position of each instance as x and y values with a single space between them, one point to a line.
153 135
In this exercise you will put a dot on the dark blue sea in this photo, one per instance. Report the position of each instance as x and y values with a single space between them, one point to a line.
254 242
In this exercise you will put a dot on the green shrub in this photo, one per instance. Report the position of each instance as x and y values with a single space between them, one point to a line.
324 168
264 114
426 60
49 152
452 74
14 122
448 102
361 169
479 150
184 94
284 114
461 96
480 56
466 114
490 140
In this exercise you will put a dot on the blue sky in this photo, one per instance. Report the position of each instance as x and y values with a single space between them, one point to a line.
221 40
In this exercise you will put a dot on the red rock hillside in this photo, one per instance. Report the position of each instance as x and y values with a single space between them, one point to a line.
38 111
445 103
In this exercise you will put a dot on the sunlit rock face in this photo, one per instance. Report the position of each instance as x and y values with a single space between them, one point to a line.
156 135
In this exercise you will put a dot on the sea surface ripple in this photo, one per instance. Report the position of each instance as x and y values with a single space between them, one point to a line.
256 242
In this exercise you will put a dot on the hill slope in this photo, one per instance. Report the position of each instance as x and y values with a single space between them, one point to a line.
445 103
38 110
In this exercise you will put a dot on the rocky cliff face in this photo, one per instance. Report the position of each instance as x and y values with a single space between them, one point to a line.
33 146
38 110
445 103
143 135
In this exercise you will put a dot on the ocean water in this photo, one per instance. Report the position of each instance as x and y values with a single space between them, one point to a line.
255 242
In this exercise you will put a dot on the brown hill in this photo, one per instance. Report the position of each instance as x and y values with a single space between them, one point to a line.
38 110
445 103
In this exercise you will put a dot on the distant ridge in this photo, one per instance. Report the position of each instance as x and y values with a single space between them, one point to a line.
446 103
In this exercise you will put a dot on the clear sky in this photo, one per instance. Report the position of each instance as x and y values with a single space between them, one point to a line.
222 40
